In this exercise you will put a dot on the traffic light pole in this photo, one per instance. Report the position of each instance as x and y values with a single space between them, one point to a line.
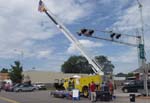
143 65
141 52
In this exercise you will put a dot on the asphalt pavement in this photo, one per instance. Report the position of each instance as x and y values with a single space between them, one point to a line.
45 97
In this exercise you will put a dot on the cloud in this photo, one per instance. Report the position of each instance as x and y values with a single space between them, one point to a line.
86 44
128 57
130 19
43 54
128 23
74 10
20 22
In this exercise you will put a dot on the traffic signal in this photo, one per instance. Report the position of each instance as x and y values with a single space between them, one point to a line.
86 32
91 32
112 35
115 35
82 31
118 36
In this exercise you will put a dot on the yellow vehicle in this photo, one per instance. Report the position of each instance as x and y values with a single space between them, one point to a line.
82 83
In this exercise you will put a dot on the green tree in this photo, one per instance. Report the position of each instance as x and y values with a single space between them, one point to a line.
76 64
79 64
130 75
4 70
105 64
16 72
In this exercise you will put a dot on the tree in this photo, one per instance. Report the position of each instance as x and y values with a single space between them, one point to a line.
105 63
4 70
76 64
79 64
16 72
130 75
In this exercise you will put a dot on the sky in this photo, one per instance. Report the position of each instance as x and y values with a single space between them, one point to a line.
30 36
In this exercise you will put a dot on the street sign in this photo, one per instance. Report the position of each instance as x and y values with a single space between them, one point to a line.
141 51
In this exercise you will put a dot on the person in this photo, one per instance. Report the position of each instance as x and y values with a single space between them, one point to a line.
89 92
103 86
93 92
71 84
111 88
0 87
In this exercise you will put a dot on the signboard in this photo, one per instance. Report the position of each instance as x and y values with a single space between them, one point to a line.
75 93
141 51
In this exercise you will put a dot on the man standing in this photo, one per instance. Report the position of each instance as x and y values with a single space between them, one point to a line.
93 93
111 88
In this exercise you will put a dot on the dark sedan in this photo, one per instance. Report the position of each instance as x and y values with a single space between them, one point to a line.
134 86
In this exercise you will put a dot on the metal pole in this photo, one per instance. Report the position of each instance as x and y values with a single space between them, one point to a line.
143 60
22 54
111 40
143 65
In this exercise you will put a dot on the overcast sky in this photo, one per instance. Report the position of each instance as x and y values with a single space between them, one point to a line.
29 36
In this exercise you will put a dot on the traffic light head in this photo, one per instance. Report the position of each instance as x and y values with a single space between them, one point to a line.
112 35
86 32
83 31
118 36
91 32
79 33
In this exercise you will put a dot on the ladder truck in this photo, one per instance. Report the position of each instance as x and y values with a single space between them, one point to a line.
95 66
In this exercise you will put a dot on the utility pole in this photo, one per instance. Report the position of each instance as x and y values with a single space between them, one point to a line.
142 51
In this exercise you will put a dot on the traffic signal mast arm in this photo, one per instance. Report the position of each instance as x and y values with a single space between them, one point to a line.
111 40
89 33
96 68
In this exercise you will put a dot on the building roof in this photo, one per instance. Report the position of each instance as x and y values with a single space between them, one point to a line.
47 77
120 75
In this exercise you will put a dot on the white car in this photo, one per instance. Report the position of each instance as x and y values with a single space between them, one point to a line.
40 86
24 88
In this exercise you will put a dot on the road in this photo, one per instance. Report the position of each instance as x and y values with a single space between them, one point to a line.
44 97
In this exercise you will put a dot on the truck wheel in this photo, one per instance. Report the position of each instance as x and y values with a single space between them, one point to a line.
85 91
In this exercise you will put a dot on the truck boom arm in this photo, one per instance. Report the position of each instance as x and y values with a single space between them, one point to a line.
95 66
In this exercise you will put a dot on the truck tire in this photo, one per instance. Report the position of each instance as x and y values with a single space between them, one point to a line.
85 91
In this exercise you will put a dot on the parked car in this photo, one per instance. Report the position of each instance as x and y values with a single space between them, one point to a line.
134 86
11 89
40 86
24 88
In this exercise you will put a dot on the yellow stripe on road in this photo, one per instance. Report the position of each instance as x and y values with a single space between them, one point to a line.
8 100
